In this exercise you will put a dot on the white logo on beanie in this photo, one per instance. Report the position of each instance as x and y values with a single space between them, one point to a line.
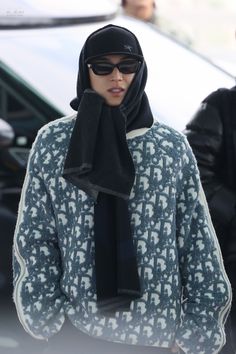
126 46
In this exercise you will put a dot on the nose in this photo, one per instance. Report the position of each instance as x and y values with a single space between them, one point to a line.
116 75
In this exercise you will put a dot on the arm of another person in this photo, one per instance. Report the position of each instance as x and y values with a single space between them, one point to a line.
205 135
36 257
206 289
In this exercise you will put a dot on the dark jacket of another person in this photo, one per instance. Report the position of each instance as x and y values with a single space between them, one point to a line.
212 136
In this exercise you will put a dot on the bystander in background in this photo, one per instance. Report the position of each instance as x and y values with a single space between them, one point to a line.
147 10
212 135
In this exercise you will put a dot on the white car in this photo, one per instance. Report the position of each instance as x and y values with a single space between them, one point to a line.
39 51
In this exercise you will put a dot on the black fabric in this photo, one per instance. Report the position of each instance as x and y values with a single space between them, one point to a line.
118 252
224 101
112 40
99 159
99 162
212 136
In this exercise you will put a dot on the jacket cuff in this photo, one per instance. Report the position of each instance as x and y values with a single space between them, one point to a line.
199 332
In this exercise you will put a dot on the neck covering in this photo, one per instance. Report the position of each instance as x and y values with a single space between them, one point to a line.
98 161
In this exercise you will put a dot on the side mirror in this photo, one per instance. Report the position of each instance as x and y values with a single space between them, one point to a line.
6 133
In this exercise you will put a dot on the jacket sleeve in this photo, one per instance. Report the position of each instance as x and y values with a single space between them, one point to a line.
37 269
204 133
206 292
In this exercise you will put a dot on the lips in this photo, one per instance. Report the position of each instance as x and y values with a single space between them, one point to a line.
116 90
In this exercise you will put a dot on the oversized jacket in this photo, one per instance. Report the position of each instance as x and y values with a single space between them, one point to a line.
212 136
185 291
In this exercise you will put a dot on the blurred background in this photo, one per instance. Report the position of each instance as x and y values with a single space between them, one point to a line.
190 51
209 25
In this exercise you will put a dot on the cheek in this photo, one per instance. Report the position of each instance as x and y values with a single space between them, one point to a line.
129 79
97 82
92 81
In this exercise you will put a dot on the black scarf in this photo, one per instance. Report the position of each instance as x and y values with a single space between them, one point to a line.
99 162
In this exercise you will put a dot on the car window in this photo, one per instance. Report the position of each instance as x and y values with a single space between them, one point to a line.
22 108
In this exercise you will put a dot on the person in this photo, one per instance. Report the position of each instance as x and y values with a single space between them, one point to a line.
212 136
113 232
146 10
141 9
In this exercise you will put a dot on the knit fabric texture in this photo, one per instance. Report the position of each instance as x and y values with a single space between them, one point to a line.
185 291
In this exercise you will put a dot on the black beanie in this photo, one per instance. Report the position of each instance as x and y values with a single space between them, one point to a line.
112 39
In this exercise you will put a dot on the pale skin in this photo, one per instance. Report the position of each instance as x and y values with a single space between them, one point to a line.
113 88
141 9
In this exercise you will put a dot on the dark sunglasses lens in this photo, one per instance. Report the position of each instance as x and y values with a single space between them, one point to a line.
125 67
129 67
102 68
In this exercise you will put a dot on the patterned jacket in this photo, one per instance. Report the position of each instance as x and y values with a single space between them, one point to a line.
185 292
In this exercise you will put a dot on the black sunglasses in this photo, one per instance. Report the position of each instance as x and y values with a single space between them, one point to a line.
106 68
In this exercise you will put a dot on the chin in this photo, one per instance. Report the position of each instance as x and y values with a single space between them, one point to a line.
113 104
